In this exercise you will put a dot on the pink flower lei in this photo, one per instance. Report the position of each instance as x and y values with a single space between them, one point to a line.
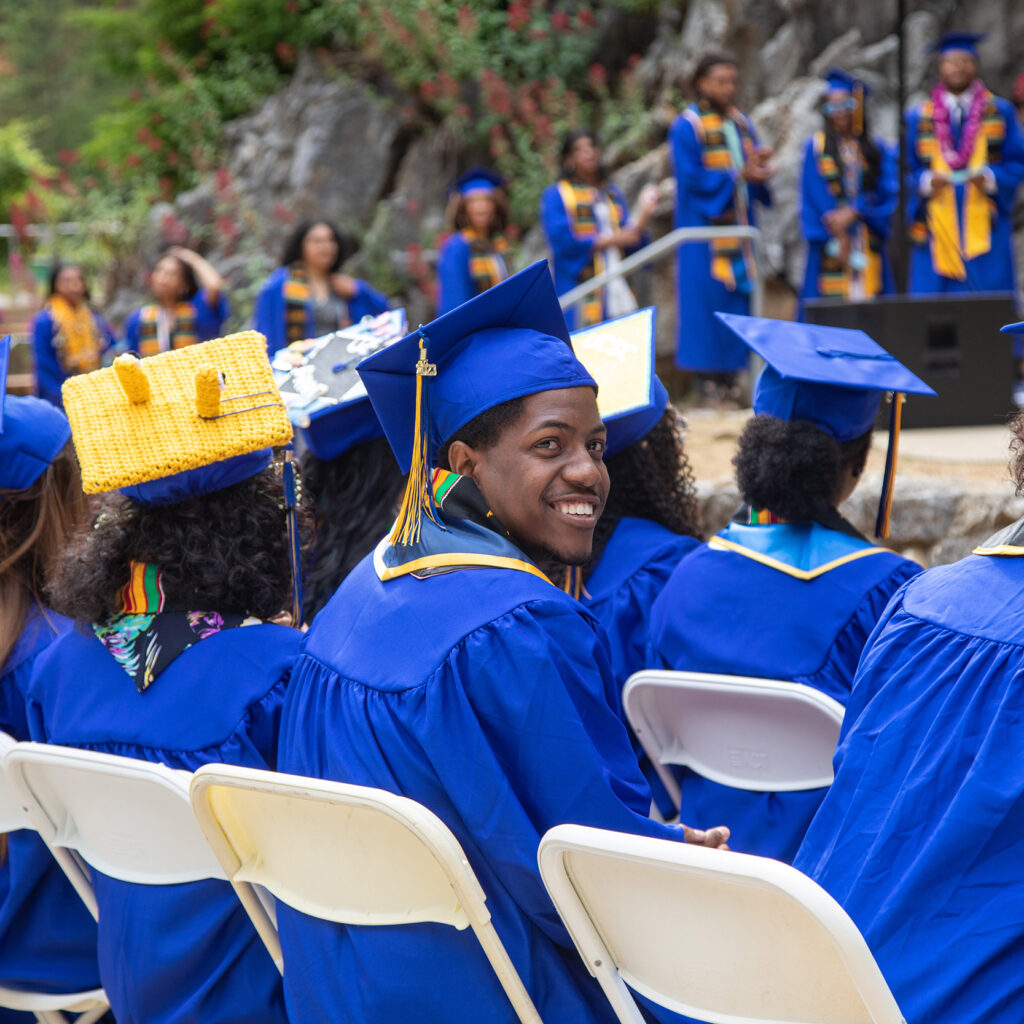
957 157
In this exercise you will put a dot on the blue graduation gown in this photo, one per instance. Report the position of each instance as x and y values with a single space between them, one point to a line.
47 937
269 315
633 569
176 953
209 319
571 251
49 375
487 695
702 197
739 605
921 837
875 207
992 271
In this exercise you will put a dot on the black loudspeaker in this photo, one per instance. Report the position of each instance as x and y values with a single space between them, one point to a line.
952 342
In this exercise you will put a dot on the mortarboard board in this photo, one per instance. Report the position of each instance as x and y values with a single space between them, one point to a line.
619 354
477 179
1017 328
966 41
325 397
508 342
829 376
32 433
842 81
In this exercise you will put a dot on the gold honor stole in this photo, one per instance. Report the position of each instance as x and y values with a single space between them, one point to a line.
579 201
950 252
297 297
487 266
726 253
834 278
77 340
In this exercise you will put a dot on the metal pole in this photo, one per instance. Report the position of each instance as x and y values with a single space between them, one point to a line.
901 254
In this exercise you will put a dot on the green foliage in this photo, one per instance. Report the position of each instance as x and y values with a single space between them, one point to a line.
20 163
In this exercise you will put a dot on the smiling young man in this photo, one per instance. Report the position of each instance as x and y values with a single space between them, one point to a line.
447 668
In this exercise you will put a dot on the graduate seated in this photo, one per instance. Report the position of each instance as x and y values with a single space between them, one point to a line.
789 589
47 937
175 657
921 836
448 668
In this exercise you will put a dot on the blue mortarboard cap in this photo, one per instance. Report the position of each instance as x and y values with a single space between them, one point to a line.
477 179
620 355
508 342
829 376
505 343
840 80
194 483
967 41
1017 328
32 433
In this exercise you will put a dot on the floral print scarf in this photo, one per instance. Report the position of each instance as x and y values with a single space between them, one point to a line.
144 637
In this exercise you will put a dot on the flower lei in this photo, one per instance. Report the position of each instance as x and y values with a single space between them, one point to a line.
956 157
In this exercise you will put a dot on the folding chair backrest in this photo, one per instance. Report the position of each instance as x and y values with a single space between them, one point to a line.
12 814
756 734
721 937
348 854
129 819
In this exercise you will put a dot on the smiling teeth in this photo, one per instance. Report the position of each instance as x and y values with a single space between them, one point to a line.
575 508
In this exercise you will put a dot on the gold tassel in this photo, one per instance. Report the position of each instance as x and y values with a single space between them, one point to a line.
858 111
416 499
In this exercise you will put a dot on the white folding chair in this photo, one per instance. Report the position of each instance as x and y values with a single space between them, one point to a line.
347 854
48 1008
763 735
721 937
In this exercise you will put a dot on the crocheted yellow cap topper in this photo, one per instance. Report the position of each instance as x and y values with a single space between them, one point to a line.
145 419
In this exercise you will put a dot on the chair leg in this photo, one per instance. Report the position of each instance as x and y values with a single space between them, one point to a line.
507 974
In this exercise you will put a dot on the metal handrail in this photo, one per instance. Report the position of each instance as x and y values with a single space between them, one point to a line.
669 243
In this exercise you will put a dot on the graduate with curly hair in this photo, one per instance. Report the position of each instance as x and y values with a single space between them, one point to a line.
789 589
179 656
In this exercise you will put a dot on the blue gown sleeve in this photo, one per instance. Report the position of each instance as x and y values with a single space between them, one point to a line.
877 206
49 375
710 193
131 330
106 331
573 251
455 284
269 313
815 198
366 302
1009 172
757 193
915 169
210 316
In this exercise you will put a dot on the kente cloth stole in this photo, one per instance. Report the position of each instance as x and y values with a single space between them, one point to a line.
579 200
940 226
76 341
731 259
834 279
144 636
297 297
487 265
761 517
183 331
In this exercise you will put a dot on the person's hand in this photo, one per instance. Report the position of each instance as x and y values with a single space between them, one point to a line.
758 167
716 838
183 254
839 221
940 183
650 196
979 178
344 286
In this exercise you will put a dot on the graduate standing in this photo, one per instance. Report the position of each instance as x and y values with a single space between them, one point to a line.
849 191
176 657
721 170
190 305
587 224
308 295
966 154
921 836
68 335
449 669
474 257
47 937
789 589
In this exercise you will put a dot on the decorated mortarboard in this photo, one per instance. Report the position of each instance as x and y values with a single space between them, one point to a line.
842 81
32 433
508 342
829 376
182 424
323 393
966 41
619 354
477 179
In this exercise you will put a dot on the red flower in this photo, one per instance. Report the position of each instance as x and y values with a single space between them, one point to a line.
133 160
223 179
518 16
597 77
172 159
448 86
586 18
135 95
538 33
292 6
285 52
282 213
462 110
429 91
465 20
166 187
634 60
560 21
226 227
67 156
